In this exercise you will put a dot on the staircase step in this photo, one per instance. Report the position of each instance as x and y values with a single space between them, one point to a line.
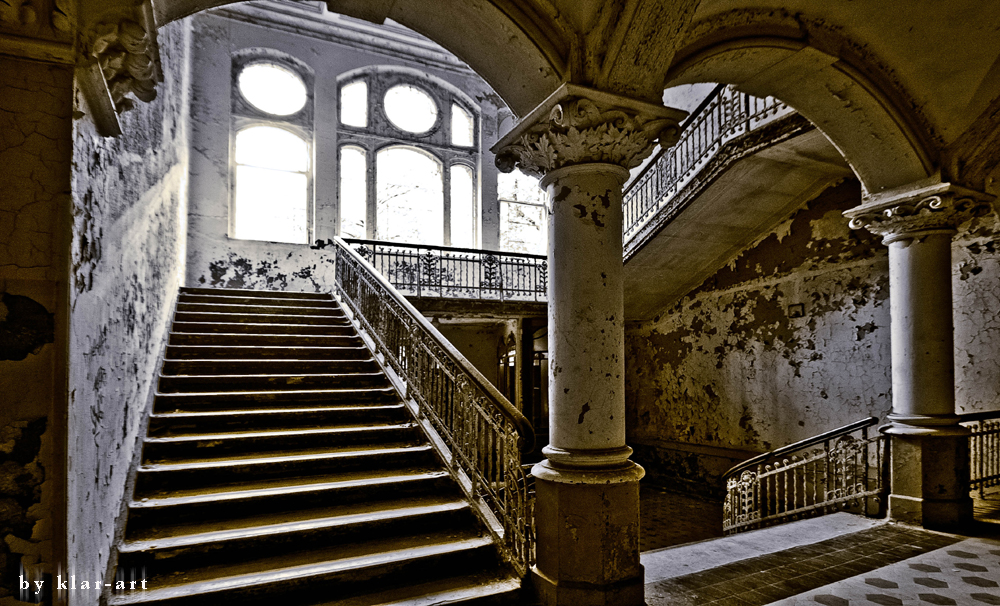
181 475
166 402
154 513
313 576
343 328
255 300
230 545
243 367
225 383
260 352
470 590
259 318
240 339
242 420
235 308
241 292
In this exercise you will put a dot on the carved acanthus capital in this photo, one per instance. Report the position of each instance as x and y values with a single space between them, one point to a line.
925 206
577 125
129 59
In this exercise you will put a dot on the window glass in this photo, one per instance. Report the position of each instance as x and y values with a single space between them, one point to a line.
462 126
354 104
271 147
410 192
520 187
410 108
272 186
272 88
353 192
523 215
463 225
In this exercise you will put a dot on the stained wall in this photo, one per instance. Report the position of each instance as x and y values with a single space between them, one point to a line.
127 262
217 260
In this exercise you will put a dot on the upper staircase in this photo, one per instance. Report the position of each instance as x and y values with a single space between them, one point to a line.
280 464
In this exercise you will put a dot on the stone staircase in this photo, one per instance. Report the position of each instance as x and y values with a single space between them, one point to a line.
280 466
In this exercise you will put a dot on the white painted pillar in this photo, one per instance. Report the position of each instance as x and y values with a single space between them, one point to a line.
929 450
587 490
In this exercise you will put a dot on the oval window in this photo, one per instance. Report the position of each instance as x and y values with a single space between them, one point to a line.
410 108
273 89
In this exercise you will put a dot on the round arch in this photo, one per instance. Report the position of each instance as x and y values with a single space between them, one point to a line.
880 138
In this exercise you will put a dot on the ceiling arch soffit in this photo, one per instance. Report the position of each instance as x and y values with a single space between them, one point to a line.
827 79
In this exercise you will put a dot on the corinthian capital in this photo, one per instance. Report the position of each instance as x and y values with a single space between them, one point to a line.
578 125
924 206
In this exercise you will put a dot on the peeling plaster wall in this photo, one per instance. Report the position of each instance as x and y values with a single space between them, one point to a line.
215 259
790 340
35 143
128 253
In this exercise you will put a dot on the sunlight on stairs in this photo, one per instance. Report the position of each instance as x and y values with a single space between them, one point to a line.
280 466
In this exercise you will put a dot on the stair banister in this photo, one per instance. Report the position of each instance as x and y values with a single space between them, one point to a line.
483 432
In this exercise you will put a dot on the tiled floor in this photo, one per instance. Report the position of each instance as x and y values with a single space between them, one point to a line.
667 518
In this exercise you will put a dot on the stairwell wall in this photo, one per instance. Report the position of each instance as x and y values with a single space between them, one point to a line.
127 263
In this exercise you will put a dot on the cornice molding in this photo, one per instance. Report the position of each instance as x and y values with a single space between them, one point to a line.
929 205
578 125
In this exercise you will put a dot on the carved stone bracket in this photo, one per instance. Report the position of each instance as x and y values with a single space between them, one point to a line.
578 125
924 206
121 58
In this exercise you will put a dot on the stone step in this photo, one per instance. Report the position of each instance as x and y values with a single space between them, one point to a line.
274 535
217 401
225 383
151 515
311 576
331 319
343 328
483 589
234 308
287 340
215 445
197 474
240 292
290 418
348 351
255 300
284 367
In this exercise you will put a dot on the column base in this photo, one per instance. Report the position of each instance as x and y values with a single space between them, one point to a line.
930 479
587 552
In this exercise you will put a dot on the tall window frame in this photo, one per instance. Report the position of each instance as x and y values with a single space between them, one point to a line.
453 149
246 115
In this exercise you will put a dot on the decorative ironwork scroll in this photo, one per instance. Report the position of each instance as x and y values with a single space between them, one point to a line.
832 472
484 433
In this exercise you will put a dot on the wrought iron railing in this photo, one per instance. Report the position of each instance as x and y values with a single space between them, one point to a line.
984 449
483 433
725 115
838 470
457 273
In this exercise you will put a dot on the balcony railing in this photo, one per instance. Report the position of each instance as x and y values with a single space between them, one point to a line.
837 470
482 433
984 449
725 115
457 273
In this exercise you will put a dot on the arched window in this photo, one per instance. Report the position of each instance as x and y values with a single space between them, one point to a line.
409 159
272 150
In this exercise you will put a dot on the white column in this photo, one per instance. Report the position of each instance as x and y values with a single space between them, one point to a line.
581 143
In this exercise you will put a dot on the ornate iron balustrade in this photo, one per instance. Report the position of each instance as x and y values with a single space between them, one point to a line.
725 115
833 471
457 273
483 434
984 449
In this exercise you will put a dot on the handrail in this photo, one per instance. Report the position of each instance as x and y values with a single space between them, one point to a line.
525 430
986 415
479 434
813 441
453 249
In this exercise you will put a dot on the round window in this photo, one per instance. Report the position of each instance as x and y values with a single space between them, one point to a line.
410 108
272 88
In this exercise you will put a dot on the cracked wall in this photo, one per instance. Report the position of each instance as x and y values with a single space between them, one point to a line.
127 263
217 260
789 340
35 142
